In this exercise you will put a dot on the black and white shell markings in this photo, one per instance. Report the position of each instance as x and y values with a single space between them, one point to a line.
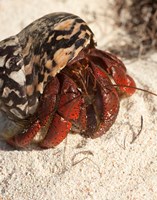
29 59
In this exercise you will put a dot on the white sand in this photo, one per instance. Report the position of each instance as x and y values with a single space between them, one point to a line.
110 167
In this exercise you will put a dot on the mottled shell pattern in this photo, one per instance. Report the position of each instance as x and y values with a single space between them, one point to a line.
31 58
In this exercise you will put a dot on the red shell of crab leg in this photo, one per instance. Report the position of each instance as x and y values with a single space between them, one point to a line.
68 110
23 139
109 102
70 100
59 128
48 101
115 68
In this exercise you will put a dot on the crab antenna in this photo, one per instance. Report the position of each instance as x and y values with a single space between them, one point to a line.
149 92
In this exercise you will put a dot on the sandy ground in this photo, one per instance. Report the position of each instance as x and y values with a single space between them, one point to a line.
110 167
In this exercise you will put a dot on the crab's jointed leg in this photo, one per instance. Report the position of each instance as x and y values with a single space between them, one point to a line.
68 110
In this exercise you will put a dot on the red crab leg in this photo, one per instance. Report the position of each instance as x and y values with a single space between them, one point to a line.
46 107
48 100
68 110
57 132
23 139
114 67
109 103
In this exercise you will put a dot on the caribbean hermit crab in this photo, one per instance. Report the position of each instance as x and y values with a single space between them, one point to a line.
53 80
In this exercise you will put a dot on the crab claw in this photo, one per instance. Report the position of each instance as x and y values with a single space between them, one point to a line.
121 78
106 103
114 68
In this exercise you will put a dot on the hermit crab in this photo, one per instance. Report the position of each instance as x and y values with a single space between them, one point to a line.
53 81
